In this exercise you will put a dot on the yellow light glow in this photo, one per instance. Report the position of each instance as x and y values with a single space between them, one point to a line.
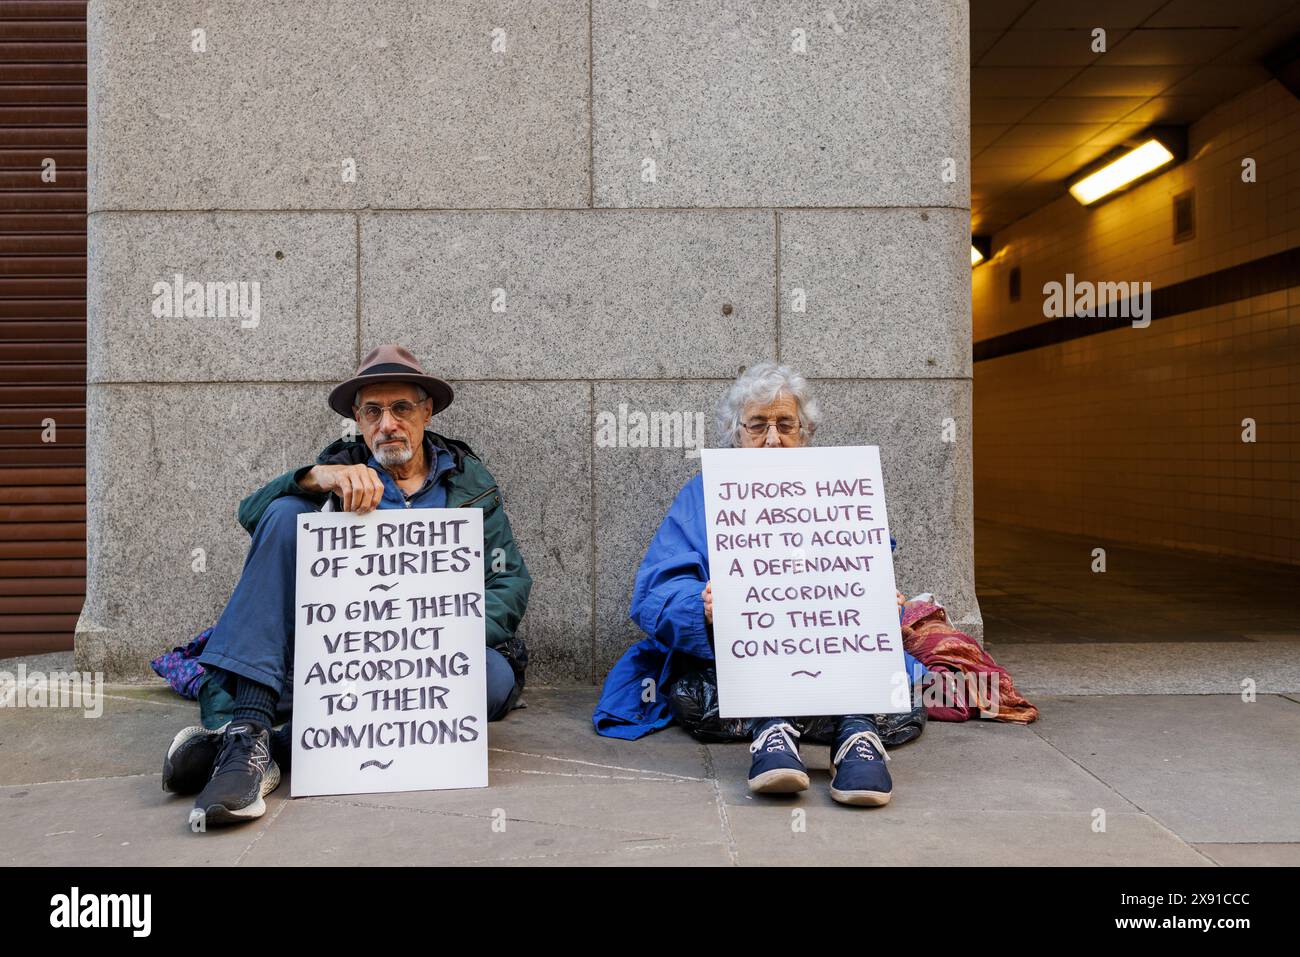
1138 162
976 257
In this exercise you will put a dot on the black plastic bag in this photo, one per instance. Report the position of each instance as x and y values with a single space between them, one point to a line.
693 700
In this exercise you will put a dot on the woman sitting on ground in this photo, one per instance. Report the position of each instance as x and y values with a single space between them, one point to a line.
771 407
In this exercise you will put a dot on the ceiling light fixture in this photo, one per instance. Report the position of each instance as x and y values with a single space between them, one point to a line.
1120 172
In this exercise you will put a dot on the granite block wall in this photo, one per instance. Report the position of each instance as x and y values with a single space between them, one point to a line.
578 212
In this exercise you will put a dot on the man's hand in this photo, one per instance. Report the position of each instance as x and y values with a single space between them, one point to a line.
899 595
707 595
358 486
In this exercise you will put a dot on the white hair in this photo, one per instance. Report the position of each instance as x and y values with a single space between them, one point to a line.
761 384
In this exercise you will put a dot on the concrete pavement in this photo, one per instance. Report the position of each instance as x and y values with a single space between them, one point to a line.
1183 779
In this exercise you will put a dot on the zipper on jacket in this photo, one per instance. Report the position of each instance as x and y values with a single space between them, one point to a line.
479 498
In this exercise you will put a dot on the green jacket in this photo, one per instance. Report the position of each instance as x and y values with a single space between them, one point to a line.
468 483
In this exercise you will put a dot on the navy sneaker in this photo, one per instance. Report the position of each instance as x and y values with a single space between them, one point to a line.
861 777
188 762
776 768
242 776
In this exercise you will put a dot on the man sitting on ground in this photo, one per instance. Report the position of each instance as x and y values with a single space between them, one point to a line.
398 463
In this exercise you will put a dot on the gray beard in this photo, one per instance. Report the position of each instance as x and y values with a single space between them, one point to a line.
394 456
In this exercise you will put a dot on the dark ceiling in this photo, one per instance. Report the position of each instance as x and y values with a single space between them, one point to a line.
1044 105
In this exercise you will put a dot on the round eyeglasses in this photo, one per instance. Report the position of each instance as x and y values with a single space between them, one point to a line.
403 410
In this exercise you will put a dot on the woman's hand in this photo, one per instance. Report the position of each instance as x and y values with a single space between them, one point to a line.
899 595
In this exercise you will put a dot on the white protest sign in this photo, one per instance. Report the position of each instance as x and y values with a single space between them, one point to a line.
805 619
389 691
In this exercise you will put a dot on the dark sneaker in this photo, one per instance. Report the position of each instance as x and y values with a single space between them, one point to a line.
242 776
860 774
776 768
188 763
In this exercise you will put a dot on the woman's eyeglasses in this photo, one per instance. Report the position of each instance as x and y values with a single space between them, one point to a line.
759 427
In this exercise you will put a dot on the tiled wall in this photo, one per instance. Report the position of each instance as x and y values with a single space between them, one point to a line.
1135 434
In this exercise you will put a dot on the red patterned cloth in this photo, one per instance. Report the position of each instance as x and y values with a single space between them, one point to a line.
967 683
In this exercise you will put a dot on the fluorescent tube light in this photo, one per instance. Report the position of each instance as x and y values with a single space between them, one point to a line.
1134 164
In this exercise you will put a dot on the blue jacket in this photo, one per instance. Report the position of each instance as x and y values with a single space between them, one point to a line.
668 607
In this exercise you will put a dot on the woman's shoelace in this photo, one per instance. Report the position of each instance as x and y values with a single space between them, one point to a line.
784 741
859 741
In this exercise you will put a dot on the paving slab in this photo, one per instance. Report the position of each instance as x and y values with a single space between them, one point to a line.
559 789
490 826
1038 586
1138 667
900 834
687 855
1165 769
975 766
1215 769
557 725
121 821
62 744
1252 855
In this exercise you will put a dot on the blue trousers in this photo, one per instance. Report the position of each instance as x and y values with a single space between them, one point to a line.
253 638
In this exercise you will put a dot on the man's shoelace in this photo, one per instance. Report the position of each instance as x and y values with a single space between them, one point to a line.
776 738
242 746
862 742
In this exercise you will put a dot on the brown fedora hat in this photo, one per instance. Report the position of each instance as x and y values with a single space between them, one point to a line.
389 363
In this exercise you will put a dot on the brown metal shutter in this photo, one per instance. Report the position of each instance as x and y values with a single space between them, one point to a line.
42 323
